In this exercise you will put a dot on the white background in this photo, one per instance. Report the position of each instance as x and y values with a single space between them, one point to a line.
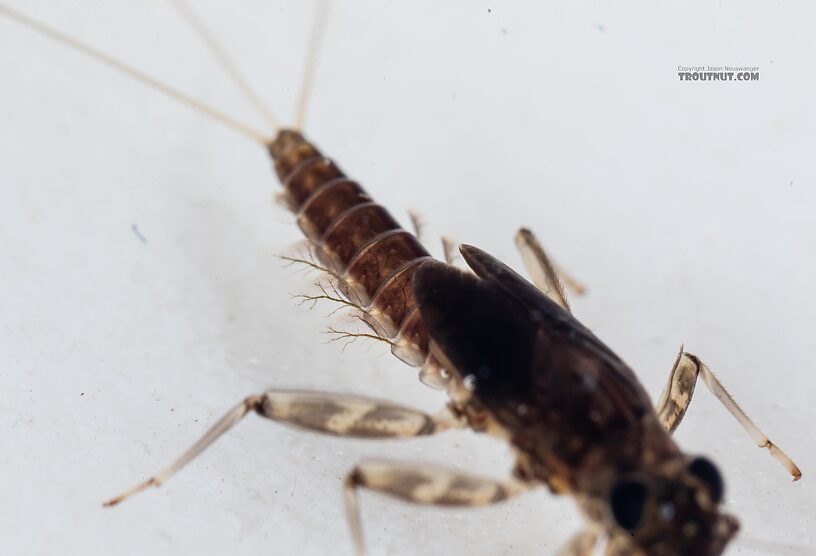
686 207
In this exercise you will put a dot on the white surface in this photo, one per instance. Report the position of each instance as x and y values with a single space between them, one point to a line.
687 208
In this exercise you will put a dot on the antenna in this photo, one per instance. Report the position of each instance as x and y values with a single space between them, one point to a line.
316 36
226 62
132 72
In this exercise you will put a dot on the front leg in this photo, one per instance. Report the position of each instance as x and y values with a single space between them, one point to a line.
581 544
421 484
676 397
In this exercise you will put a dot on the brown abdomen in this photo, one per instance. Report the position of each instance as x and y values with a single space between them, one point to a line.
357 239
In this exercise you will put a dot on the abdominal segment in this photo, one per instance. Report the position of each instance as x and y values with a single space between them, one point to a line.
372 257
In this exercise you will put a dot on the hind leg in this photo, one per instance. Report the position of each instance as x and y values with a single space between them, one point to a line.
333 414
543 272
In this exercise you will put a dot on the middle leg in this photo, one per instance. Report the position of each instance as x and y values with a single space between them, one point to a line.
421 484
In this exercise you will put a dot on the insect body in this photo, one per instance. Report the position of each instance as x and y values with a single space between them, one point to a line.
577 416
516 364
520 366
362 245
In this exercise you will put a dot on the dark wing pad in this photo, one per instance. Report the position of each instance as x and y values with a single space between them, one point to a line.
484 333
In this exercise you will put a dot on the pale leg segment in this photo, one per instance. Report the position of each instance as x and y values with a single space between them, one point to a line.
676 397
333 414
542 270
581 544
421 484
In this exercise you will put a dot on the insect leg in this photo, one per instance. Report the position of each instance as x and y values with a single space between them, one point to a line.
417 224
676 397
421 484
581 544
449 249
334 414
543 271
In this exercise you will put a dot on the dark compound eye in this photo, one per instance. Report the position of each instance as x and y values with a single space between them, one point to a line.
626 500
703 469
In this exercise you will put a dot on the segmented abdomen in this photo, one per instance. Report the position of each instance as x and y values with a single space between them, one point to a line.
373 258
